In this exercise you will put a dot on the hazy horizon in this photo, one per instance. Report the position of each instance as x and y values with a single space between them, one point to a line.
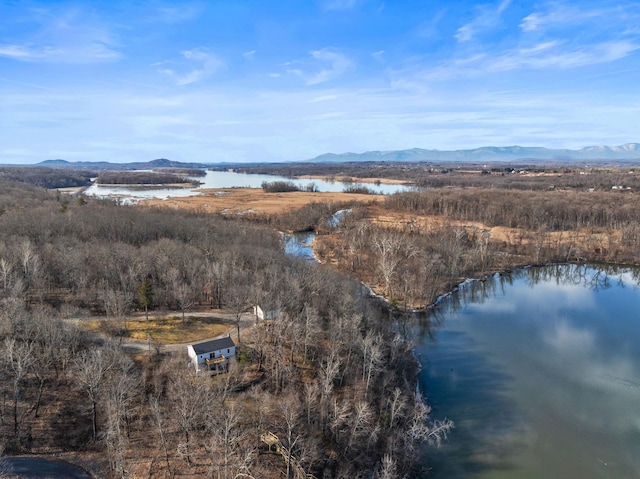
255 81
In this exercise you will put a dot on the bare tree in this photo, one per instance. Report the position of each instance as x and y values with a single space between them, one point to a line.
396 406
120 390
231 448
289 409
189 397
19 357
387 468
388 244
6 272
421 429
89 370
239 297
371 347
182 291
160 423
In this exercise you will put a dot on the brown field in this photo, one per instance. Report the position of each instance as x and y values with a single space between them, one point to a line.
166 330
255 200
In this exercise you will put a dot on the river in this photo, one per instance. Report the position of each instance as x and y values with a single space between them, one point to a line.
540 371
226 179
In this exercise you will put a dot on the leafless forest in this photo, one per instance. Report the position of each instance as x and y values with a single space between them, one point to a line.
330 378
470 221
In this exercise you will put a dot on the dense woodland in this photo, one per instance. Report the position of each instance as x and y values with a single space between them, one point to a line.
46 177
331 377
142 178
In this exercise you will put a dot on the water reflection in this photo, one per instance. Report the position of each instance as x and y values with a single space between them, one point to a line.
299 245
540 371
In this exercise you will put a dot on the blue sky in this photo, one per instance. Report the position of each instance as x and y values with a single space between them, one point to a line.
287 80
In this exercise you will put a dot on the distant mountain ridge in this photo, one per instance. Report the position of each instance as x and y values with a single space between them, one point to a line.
629 151
626 152
105 165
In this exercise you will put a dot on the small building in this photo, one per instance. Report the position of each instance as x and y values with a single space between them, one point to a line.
266 313
212 355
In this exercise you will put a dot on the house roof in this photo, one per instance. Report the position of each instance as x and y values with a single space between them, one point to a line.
213 345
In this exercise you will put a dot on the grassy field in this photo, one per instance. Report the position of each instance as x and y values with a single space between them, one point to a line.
168 330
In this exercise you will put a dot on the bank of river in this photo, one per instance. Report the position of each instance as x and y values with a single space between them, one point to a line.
540 371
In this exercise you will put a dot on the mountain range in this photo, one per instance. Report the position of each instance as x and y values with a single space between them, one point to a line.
629 151
625 153
105 165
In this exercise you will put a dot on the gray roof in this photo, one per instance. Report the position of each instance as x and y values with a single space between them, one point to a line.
213 345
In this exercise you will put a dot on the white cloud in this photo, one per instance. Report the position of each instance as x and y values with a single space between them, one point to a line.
559 14
379 55
208 64
17 52
488 18
337 65
531 22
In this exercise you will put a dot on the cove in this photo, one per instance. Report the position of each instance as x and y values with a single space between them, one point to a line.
540 371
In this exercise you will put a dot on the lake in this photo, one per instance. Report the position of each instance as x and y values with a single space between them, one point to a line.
225 179
540 371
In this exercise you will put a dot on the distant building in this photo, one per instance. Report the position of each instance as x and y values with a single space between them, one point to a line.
267 313
212 355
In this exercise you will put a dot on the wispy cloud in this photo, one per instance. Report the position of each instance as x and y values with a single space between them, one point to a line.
555 54
557 14
379 55
208 63
27 84
63 36
89 53
335 65
487 18
174 14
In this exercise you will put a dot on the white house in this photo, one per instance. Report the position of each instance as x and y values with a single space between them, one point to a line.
212 355
267 313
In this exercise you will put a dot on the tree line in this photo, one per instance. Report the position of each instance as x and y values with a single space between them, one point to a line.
141 178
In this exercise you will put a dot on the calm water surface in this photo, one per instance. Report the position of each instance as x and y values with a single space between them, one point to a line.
225 179
540 371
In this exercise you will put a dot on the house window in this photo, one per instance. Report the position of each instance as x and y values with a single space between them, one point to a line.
228 351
